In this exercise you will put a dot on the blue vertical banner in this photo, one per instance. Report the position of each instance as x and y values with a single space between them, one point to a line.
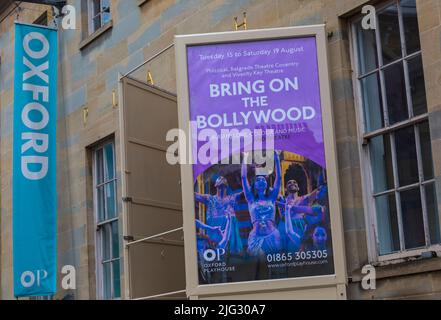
34 161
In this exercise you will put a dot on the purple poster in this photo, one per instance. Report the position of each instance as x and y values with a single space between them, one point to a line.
256 222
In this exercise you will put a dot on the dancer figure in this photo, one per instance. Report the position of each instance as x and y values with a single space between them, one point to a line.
215 235
264 238
295 228
219 208
319 238
302 214
293 197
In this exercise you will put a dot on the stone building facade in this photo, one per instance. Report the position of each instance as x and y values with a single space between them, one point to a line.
132 31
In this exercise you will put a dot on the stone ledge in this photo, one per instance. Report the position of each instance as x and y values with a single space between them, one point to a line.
423 265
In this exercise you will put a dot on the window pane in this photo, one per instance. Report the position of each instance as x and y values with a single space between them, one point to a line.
390 34
107 278
367 49
96 7
116 279
417 85
105 12
381 159
115 240
101 204
105 241
372 103
99 166
387 224
426 150
110 200
412 214
411 30
96 23
105 5
110 165
105 17
432 214
406 156
396 93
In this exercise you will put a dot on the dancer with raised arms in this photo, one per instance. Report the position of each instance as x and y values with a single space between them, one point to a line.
219 208
264 238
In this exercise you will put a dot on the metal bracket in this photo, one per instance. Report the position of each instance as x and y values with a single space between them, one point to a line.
150 78
159 239
114 100
127 199
129 238
85 115
243 24
365 142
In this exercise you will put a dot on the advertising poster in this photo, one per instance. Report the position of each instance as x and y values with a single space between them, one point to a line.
34 161
259 226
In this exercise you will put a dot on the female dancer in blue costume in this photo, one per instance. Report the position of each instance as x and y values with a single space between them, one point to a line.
219 208
264 238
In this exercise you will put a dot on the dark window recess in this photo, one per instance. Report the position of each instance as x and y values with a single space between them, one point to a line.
43 20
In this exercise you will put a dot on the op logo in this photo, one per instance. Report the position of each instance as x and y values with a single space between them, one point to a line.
211 255
29 278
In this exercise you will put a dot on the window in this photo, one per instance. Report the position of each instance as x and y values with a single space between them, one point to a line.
99 14
107 226
43 20
396 151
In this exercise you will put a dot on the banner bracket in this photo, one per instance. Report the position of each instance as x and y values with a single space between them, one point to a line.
243 25
85 115
150 80
114 99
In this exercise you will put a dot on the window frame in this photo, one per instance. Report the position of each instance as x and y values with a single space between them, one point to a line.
99 225
91 16
43 19
364 137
